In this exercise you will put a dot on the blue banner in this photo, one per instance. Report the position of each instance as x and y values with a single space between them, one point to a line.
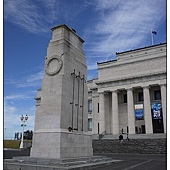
139 115
156 111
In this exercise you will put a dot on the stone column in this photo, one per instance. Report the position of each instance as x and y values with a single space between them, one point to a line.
131 111
115 116
101 113
147 110
163 98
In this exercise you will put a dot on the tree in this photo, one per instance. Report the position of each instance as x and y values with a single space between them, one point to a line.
28 135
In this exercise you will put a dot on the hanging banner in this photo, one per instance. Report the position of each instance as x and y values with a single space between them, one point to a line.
156 111
139 112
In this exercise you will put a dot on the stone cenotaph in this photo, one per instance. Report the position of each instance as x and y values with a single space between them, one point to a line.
61 104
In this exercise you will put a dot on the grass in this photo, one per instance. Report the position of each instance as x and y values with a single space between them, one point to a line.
14 144
11 144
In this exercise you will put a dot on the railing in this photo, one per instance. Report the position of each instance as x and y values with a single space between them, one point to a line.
101 135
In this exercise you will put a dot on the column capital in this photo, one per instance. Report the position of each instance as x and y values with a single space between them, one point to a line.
114 91
162 85
145 87
101 92
130 88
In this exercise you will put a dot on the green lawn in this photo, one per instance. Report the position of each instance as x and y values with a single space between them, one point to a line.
13 143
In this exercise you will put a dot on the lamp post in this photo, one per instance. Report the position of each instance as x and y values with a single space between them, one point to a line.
23 120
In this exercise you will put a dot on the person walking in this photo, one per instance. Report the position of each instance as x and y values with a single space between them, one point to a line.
121 138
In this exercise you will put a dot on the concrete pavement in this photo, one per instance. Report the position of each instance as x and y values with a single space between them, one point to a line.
128 161
136 162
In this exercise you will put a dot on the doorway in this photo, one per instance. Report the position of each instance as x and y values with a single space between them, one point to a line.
158 126
143 129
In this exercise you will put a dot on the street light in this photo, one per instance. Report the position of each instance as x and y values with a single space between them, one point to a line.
23 120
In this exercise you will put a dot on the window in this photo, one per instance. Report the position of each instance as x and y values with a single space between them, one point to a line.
140 96
157 95
125 98
89 105
90 124
98 107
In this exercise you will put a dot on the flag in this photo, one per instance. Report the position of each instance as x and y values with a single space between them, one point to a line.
154 32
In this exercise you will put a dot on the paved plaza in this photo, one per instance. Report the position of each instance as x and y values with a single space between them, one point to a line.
137 162
128 161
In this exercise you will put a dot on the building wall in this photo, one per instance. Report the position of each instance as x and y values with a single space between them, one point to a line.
134 70
134 63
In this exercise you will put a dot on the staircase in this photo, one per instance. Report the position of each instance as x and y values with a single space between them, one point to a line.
144 144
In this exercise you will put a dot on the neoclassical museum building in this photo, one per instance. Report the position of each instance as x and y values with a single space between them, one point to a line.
129 95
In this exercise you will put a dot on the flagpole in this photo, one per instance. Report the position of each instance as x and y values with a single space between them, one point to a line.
152 36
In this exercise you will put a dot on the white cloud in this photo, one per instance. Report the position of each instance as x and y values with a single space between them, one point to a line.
92 66
34 77
14 108
118 24
88 3
29 81
122 25
8 109
17 97
12 113
33 16
107 4
32 80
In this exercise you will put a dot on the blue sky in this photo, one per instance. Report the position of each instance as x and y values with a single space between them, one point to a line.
107 26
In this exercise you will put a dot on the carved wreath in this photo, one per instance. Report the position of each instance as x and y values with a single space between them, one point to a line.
57 68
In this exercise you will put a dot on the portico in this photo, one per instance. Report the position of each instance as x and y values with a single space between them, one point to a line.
120 109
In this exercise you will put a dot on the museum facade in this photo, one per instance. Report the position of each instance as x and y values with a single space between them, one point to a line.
129 95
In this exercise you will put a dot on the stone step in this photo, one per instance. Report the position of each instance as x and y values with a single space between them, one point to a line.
132 136
141 146
30 163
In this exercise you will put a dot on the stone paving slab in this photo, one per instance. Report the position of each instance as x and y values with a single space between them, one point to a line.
28 163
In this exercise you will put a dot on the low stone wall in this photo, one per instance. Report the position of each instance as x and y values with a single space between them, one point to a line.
141 146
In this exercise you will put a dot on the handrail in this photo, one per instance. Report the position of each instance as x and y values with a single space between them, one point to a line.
102 134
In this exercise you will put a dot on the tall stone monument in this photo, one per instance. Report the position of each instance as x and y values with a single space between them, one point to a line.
61 105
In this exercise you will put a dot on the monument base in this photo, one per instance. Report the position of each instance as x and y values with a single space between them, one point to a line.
61 145
30 163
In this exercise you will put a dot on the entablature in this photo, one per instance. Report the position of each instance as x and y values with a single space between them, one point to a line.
131 80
